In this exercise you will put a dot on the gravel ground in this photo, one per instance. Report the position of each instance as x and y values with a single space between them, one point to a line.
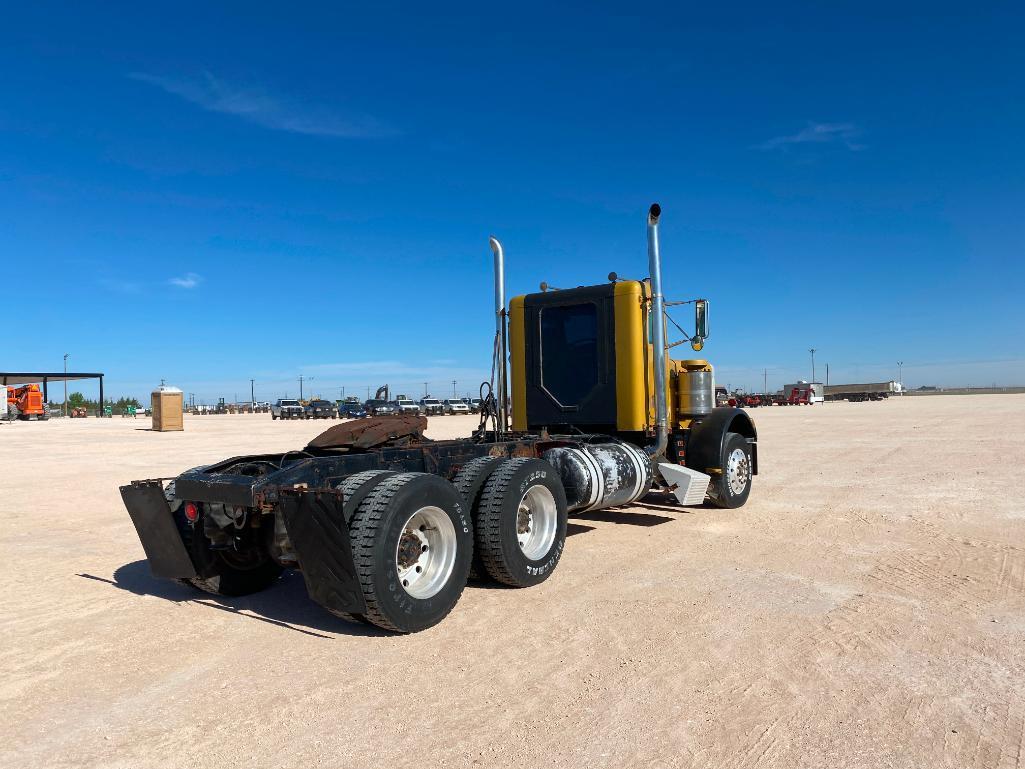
866 608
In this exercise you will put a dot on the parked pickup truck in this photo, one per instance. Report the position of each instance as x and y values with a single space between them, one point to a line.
456 406
379 408
407 406
286 409
431 406
319 409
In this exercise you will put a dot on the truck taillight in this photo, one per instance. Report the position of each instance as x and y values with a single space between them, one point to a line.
191 512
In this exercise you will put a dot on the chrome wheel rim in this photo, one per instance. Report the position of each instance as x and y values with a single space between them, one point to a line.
737 471
426 552
536 521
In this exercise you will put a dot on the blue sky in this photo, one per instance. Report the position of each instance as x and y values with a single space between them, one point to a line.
214 194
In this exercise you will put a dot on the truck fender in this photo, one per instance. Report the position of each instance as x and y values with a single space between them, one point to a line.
705 438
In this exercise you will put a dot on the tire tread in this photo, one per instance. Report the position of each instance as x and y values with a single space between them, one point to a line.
468 484
489 522
364 527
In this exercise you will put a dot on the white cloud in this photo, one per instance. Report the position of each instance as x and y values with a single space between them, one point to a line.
188 280
263 109
819 133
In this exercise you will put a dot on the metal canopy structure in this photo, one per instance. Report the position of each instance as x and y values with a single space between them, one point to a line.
19 378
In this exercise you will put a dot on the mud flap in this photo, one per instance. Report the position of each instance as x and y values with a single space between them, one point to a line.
320 538
158 533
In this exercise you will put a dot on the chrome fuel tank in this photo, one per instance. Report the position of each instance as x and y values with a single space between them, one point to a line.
600 475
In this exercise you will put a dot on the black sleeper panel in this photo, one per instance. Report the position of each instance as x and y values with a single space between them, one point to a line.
570 357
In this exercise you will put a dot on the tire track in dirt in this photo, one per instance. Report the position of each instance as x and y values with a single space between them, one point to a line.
862 627
993 742
913 576
990 571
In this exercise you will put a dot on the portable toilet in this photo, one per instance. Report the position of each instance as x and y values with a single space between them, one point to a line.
168 403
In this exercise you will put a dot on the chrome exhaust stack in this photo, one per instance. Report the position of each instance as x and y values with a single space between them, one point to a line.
500 330
658 333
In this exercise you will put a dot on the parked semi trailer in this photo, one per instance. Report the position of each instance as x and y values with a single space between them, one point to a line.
870 391
386 525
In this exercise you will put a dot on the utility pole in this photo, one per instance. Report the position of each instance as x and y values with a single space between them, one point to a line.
765 381
812 351
66 384
252 391
900 375
300 387
368 392
425 389
453 388
827 375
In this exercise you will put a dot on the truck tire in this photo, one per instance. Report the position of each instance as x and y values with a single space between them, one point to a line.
521 523
354 490
357 487
731 489
223 572
273 416
412 541
469 482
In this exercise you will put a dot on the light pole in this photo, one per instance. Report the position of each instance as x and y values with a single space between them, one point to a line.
900 375
252 392
812 351
66 385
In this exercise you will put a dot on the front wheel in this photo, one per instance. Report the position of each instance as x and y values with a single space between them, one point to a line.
731 488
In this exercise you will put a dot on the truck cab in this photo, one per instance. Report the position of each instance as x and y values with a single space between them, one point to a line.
431 406
286 408
406 405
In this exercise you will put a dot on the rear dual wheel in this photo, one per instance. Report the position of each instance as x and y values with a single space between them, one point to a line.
469 482
412 541
520 522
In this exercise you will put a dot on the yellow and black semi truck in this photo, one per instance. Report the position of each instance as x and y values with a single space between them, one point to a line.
387 525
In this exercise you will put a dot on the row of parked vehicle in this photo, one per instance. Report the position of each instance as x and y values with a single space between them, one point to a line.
286 408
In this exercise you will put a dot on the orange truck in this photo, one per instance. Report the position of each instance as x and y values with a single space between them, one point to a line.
25 402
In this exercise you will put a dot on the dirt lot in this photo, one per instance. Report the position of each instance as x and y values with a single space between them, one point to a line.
866 608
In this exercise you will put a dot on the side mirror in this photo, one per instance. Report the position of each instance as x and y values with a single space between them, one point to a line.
700 324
